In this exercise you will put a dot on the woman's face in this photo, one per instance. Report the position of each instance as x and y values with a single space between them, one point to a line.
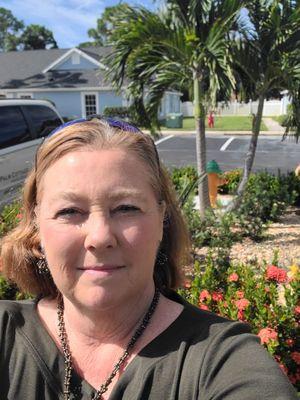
100 226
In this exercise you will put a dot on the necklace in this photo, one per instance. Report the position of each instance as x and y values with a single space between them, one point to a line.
67 353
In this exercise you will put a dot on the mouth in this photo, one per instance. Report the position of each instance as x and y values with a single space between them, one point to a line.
105 269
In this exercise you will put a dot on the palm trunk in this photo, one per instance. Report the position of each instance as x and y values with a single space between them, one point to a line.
250 154
199 112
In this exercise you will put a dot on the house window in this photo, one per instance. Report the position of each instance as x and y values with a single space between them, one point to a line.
90 104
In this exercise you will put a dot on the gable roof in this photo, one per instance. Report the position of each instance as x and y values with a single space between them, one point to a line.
24 69
65 56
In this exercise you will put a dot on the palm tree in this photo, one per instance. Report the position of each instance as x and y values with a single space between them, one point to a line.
265 60
186 45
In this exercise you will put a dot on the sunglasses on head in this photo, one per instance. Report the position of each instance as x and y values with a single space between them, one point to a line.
113 123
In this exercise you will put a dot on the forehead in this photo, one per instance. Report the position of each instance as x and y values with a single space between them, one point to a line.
109 171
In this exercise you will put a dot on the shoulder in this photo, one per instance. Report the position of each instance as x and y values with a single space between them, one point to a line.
14 313
202 324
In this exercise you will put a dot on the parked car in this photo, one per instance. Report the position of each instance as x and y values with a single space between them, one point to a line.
23 125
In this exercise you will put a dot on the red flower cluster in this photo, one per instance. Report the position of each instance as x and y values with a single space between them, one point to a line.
276 274
203 307
295 355
267 334
233 277
217 296
204 295
239 294
242 304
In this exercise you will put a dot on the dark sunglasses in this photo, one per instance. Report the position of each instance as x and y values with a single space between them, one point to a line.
113 123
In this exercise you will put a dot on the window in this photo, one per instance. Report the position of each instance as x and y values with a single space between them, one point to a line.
90 104
14 129
44 119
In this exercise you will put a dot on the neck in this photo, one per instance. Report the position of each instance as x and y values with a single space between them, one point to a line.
113 325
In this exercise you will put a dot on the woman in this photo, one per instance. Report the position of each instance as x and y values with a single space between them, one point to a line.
101 244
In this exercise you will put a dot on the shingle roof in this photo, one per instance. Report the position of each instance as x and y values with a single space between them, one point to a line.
23 69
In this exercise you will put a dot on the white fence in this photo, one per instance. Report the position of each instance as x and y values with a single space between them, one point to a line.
271 107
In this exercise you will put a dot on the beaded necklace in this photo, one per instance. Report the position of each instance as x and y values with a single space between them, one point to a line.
67 353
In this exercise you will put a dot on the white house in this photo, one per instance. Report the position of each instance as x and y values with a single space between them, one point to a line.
73 79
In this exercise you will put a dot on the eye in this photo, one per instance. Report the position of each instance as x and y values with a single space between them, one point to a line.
68 212
125 209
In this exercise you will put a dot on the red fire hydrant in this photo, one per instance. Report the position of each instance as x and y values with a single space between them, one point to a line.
211 120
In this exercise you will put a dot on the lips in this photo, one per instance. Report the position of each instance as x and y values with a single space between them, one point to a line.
101 267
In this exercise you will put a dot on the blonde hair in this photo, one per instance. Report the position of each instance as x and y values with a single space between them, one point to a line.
20 249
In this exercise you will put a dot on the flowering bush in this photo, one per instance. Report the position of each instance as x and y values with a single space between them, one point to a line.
10 217
266 297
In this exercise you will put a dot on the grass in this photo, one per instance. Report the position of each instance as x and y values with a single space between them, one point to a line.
226 123
280 119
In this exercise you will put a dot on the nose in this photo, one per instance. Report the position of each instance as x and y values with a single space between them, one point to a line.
99 232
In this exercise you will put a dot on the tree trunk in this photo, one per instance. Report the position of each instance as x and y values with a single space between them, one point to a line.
199 112
250 155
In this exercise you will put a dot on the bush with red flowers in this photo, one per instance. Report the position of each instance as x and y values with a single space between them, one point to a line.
264 296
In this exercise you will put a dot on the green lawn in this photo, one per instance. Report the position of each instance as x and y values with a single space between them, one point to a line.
228 123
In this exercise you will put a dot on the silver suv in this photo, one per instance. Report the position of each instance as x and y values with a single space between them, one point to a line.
23 125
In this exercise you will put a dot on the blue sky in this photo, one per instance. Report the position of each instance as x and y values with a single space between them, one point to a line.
69 20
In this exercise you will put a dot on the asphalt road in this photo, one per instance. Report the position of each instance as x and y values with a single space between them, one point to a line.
272 154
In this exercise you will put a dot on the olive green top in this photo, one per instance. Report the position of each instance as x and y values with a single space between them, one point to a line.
199 356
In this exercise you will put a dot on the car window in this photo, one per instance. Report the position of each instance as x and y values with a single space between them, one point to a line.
44 119
13 127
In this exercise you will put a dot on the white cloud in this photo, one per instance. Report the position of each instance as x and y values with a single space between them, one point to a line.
68 20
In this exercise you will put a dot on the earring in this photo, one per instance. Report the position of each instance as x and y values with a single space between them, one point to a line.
42 266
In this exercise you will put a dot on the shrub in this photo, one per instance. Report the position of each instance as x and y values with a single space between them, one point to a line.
266 197
264 296
117 112
232 180
9 217
181 176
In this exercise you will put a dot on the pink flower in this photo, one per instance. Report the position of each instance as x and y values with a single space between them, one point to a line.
295 355
233 277
240 294
204 295
297 310
241 315
290 342
203 307
19 216
242 304
187 284
217 296
276 274
267 334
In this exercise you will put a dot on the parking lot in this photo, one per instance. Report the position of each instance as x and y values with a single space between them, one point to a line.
272 153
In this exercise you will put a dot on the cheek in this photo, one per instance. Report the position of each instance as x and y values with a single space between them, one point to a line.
59 242
144 236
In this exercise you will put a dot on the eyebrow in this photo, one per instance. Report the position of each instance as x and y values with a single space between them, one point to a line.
114 196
